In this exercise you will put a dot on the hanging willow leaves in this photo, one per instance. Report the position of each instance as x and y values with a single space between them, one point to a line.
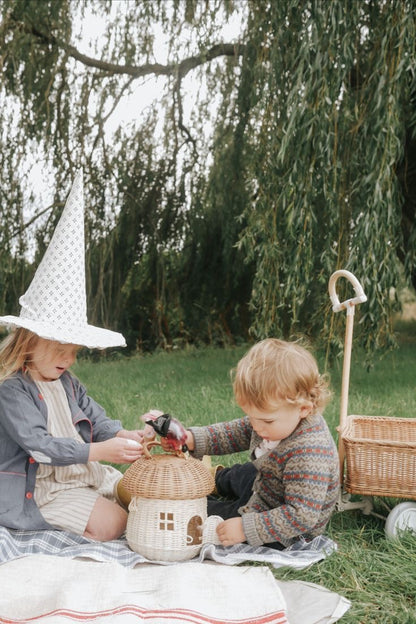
213 223
332 118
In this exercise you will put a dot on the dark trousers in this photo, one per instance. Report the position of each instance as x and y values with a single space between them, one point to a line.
234 488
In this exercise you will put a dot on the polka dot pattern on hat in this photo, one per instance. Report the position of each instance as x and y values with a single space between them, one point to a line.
57 291
54 306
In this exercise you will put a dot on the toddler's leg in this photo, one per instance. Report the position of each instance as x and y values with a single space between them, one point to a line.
236 485
237 481
107 521
224 508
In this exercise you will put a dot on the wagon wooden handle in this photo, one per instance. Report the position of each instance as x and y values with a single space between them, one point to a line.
360 296
349 306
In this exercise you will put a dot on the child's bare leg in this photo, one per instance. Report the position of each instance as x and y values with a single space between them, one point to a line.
107 521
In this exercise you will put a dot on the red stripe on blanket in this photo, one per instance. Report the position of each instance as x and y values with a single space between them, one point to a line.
180 615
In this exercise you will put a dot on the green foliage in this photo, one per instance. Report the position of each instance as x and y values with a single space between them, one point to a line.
331 122
212 223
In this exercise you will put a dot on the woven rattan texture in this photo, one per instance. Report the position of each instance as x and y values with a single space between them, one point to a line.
166 476
381 456
161 530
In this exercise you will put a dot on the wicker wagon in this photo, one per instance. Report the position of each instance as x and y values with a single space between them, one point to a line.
377 454
168 512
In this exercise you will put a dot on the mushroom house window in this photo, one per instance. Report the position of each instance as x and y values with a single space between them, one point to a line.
166 521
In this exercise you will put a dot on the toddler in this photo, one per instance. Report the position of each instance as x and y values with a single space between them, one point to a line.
290 487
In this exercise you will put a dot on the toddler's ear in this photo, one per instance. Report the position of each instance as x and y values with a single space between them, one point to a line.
306 410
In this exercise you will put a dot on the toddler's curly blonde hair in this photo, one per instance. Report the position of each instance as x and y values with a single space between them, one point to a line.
274 370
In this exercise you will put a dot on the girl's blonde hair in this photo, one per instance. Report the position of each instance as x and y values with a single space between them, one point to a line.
274 370
16 351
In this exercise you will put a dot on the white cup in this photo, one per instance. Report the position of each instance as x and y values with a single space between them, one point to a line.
209 530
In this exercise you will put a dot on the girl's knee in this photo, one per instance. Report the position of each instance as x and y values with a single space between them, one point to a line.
107 521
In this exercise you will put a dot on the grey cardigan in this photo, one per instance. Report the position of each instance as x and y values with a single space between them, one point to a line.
24 441
296 487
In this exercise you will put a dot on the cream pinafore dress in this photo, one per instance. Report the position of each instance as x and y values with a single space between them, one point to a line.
66 495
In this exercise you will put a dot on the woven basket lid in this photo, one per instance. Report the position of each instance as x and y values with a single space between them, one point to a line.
168 476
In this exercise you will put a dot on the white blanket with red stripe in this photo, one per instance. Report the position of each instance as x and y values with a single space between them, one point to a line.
47 589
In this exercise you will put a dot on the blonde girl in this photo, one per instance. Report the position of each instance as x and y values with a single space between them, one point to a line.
53 437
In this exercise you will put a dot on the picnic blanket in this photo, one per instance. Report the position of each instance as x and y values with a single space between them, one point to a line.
52 577
15 544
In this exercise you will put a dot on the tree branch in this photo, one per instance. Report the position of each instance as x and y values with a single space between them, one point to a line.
138 71
19 230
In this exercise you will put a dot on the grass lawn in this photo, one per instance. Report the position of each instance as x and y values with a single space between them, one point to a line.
378 575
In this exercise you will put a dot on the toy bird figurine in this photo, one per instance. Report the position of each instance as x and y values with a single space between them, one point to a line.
169 428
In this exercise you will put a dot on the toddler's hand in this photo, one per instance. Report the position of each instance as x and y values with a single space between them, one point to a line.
231 532
170 444
166 445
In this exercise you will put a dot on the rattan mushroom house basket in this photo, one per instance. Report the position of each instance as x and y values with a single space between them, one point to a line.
168 509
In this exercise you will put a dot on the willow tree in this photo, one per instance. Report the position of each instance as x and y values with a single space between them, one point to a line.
332 87
68 69
308 167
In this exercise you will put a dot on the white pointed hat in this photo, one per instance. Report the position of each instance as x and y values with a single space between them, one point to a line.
55 306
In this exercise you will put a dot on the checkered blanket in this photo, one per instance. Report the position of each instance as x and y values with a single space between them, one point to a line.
15 544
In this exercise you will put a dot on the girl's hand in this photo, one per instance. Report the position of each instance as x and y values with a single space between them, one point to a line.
231 532
119 450
136 434
151 415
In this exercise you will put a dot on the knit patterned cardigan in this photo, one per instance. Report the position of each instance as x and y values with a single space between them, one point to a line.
297 484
